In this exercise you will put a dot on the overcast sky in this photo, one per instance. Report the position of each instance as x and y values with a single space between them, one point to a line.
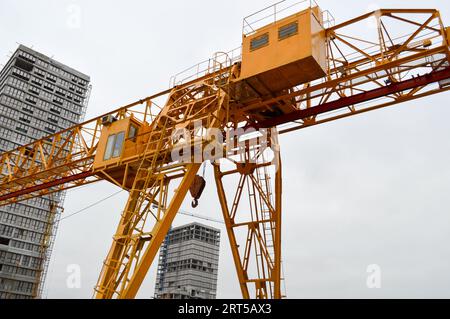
371 189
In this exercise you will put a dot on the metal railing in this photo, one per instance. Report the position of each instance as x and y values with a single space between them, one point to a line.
328 20
251 23
220 60
279 11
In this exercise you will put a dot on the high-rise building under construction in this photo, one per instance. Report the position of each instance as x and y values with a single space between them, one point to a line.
38 97
188 263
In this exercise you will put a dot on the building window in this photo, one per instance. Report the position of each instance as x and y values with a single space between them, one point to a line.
58 100
53 120
288 30
50 130
24 65
33 90
53 110
51 78
31 99
259 42
25 120
114 146
20 74
36 81
60 92
49 86
21 130
39 73
27 56
4 241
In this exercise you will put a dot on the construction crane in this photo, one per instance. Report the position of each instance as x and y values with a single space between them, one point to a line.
295 69
186 213
199 216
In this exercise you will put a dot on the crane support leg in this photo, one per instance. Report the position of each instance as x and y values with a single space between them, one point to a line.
150 209
254 228
133 249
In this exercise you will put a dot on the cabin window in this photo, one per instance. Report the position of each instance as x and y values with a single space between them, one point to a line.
118 144
259 42
109 147
114 146
132 133
287 31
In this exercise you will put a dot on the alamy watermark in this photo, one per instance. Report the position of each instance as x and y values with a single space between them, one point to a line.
212 144
374 278
74 16
73 280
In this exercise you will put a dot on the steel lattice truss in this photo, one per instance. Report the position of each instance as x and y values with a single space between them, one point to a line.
405 57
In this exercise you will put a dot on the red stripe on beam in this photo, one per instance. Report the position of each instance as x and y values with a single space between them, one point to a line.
39 187
358 98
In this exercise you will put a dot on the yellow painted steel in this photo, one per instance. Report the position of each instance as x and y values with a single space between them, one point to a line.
258 264
130 147
150 203
304 53
228 95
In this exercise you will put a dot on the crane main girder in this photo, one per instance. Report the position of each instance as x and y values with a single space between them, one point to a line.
397 87
391 69
64 159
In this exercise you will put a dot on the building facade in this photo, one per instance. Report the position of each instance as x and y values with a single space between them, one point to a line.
188 263
38 97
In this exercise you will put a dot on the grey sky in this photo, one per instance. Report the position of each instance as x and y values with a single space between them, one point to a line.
371 189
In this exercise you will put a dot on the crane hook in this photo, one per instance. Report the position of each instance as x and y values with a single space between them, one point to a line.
196 189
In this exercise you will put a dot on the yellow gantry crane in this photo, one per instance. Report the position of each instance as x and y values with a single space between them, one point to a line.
295 69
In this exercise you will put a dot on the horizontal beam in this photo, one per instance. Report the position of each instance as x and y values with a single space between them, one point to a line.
383 12
329 84
53 183
358 98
